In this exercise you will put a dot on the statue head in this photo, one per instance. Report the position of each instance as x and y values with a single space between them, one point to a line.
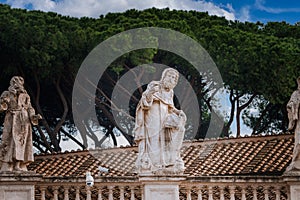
16 84
169 78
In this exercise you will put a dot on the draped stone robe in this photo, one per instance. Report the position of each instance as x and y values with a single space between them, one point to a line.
159 143
294 124
17 132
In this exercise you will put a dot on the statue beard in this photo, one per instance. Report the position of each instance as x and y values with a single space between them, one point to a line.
168 85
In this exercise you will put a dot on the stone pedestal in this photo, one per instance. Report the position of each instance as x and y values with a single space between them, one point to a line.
292 178
18 185
161 187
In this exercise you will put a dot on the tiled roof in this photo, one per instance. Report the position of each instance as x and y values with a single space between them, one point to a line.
260 155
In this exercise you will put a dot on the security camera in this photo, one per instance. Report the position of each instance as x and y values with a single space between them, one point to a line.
103 169
89 180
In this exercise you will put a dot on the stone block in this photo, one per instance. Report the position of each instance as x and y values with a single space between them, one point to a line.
161 187
18 186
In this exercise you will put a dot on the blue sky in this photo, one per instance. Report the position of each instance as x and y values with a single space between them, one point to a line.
242 10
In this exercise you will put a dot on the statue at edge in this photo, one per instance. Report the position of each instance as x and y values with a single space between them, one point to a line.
159 128
294 124
16 149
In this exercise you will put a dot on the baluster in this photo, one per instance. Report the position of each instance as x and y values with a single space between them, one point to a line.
199 193
55 192
110 192
254 192
188 193
232 192
288 189
210 193
77 193
277 192
88 193
66 192
243 193
266 192
100 193
43 192
132 193
121 192
222 197
142 192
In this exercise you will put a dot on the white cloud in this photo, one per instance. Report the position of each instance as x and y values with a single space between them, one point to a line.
244 14
94 8
260 4
37 4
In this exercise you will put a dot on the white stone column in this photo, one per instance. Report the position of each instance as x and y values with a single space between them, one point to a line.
232 192
254 187
243 192
161 187
18 185
55 192
199 192
110 192
88 193
188 193
277 192
66 193
100 193
210 193
77 193
222 197
121 188
43 192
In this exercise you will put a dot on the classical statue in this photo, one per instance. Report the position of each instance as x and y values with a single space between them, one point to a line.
294 124
159 127
16 145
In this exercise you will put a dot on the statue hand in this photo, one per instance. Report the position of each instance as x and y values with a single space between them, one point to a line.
35 119
3 106
181 113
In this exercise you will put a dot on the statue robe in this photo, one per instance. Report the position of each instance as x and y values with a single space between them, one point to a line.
17 132
159 145
294 124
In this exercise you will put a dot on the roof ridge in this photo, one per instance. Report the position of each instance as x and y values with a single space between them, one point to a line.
241 139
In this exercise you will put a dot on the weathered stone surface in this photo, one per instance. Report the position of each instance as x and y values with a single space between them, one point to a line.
18 185
159 128
294 124
161 187
16 146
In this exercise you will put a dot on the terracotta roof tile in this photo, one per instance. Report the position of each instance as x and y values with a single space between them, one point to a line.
260 155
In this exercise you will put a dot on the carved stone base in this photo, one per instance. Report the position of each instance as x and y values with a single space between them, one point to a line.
292 178
161 187
18 185
295 192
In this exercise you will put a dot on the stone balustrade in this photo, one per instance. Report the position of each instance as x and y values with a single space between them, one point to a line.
234 188
69 191
233 192
200 188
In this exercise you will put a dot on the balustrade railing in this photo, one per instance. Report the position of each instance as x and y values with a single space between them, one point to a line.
231 191
191 189
78 191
